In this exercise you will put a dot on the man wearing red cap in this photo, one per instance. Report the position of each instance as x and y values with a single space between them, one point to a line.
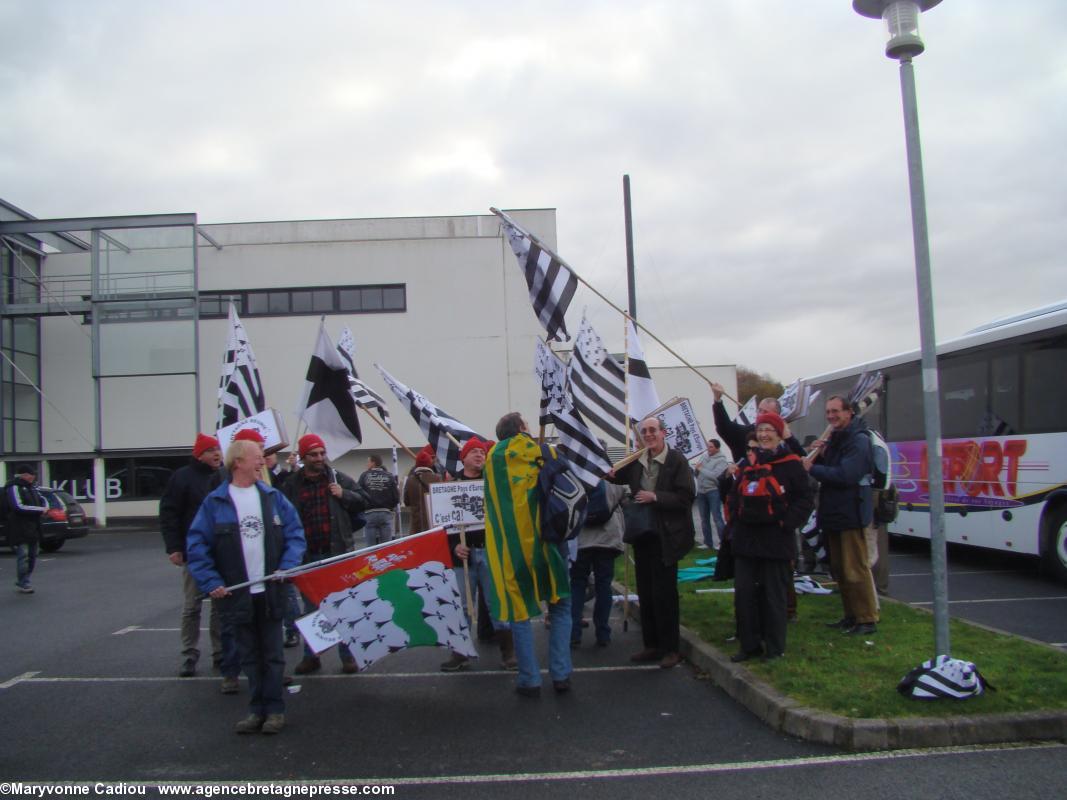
325 500
417 487
184 493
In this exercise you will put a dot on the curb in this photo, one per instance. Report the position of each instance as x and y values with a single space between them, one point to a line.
787 715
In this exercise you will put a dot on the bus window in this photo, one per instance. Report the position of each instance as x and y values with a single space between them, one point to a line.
1044 366
1003 418
904 403
963 395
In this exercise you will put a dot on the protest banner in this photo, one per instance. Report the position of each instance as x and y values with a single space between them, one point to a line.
455 503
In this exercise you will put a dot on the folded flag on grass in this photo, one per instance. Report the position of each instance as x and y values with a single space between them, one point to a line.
392 597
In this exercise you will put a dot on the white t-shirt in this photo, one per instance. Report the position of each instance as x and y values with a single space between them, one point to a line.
250 523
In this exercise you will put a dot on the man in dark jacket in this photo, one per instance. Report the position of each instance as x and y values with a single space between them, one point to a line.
23 507
843 467
382 493
661 478
325 499
184 493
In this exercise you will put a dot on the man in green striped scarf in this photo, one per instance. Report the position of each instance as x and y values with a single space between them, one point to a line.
525 569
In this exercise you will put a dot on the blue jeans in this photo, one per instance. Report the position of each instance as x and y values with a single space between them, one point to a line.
292 608
25 561
379 527
260 645
481 581
230 663
710 507
559 646
602 561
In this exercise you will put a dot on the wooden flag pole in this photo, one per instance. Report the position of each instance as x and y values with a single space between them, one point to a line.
594 290
472 610
385 428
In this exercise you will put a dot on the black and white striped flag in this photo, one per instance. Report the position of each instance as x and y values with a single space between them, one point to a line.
867 384
597 384
364 396
550 281
435 424
327 405
747 414
240 389
553 375
641 393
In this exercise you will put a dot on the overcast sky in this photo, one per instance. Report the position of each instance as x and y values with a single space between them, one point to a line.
764 140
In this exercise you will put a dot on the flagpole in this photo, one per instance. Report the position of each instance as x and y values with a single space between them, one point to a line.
594 290
471 609
626 381
386 429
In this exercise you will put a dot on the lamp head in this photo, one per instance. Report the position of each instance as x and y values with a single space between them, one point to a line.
902 18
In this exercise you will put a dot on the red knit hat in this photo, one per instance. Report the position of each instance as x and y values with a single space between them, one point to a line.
309 442
473 443
424 458
772 419
203 444
249 435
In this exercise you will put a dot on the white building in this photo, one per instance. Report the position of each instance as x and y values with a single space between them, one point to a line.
121 323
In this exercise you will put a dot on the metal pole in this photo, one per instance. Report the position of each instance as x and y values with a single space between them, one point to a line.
631 283
928 344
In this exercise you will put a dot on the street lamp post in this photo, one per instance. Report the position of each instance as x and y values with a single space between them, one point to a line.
902 17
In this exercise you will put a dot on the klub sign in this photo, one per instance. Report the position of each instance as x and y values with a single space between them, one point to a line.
976 472
84 489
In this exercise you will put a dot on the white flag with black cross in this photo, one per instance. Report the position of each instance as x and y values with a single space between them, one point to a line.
327 405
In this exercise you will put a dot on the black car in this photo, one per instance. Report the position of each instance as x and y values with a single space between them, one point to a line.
64 519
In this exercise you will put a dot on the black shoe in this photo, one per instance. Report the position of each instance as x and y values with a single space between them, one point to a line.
188 668
292 639
844 623
862 629
562 686
737 658
528 691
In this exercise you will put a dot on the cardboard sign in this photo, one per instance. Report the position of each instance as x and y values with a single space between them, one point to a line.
455 503
267 424
683 430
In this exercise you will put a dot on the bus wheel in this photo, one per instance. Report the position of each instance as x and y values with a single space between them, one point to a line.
1055 553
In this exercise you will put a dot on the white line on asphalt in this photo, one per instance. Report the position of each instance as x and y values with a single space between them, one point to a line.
953 573
698 769
31 677
994 600
139 629
25 676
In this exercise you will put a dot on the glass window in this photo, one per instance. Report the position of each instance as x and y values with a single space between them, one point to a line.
393 298
26 335
372 299
26 402
278 303
350 300
1043 366
27 363
1003 417
74 476
312 300
147 348
964 395
140 478
903 402
211 306
27 436
258 302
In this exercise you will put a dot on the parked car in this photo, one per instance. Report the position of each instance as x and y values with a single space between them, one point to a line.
64 519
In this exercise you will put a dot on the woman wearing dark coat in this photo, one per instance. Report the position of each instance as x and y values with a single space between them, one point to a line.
764 538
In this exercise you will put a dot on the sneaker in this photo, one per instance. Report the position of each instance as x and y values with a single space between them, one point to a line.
273 724
27 589
250 724
230 686
307 665
862 629
292 639
456 663
349 667
188 668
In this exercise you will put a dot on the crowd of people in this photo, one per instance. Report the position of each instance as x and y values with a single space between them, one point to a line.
231 522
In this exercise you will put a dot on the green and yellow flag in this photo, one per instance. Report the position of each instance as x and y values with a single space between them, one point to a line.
526 570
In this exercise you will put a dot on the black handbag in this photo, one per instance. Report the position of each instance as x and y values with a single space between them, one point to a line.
639 522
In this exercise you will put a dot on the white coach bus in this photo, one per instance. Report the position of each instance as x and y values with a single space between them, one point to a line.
1004 429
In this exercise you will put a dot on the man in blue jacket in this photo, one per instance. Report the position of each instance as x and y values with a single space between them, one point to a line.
842 465
246 531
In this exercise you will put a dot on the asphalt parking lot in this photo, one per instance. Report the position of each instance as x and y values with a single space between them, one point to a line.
89 691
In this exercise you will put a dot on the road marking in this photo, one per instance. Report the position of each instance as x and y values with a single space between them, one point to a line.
953 573
25 676
994 600
139 629
701 769
31 677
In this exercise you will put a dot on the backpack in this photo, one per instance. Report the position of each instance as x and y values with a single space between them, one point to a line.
597 512
563 499
760 497
881 476
885 506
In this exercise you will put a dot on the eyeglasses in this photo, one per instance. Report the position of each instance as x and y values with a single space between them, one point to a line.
648 431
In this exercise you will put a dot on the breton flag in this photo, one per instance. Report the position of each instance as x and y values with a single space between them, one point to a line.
394 596
434 423
240 389
597 383
748 412
550 281
364 396
327 406
576 442
867 389
640 390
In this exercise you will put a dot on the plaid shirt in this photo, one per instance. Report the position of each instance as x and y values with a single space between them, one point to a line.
314 508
